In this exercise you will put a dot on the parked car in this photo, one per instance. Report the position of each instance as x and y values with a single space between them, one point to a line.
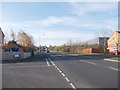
16 55
115 52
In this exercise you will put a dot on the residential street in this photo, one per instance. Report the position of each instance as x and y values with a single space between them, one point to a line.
60 70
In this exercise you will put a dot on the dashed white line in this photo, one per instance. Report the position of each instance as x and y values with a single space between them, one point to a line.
60 71
56 66
67 79
63 74
71 84
48 64
51 62
95 64
88 62
91 63
114 68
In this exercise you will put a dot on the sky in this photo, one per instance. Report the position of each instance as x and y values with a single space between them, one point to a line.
56 23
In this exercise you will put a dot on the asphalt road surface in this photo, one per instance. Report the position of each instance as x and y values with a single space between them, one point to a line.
60 70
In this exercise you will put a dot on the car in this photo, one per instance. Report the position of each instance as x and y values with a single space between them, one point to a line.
16 55
115 52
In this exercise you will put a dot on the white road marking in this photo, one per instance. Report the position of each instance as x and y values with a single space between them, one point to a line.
55 66
67 79
111 60
71 84
60 71
114 68
51 62
91 63
88 62
63 74
95 64
48 64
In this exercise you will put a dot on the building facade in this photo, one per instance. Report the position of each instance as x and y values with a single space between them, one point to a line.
114 42
1 36
101 41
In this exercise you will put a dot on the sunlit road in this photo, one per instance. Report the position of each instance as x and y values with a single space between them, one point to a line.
59 70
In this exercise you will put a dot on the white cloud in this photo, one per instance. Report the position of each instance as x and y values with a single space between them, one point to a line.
85 8
59 35
53 20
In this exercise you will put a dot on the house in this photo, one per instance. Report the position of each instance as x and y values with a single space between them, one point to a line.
1 42
114 43
1 36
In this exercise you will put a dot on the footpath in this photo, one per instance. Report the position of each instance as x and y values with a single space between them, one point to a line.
115 59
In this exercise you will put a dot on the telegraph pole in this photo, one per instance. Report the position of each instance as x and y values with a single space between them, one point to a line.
105 40
39 43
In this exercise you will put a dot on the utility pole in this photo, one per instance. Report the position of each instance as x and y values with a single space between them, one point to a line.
39 45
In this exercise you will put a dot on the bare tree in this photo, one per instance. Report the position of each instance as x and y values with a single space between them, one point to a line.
24 39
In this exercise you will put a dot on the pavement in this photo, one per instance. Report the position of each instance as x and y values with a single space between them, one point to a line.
115 59
60 70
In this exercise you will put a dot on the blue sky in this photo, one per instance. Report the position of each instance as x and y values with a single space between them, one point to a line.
57 23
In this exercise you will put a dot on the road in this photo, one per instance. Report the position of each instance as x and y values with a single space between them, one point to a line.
60 70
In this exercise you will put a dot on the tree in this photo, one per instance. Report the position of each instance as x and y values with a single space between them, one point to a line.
12 42
13 35
24 39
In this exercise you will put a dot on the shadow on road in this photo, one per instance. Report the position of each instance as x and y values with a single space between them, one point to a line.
58 57
35 58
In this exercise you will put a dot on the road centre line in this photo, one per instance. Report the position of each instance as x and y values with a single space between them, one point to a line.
63 74
51 62
48 64
95 64
71 84
67 79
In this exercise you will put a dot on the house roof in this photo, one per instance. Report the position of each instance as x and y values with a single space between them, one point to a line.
11 45
2 32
